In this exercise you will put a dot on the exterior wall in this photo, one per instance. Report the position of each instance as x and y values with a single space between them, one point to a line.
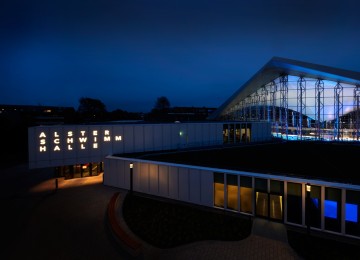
183 183
51 146
194 184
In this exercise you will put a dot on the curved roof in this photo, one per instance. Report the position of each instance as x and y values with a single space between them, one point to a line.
277 67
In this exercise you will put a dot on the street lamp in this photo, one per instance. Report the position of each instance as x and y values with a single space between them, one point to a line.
308 198
131 166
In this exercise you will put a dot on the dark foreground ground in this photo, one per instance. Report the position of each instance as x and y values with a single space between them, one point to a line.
165 224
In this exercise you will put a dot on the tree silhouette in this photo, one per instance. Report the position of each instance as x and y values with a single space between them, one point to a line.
162 103
91 110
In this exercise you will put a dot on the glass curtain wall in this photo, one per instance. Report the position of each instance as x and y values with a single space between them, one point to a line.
306 108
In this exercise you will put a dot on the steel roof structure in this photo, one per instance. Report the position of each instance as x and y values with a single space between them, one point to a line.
278 67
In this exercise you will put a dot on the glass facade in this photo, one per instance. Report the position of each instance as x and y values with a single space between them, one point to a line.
303 108
352 213
79 170
267 198
236 133
294 203
246 195
315 207
276 199
219 189
232 188
261 197
332 209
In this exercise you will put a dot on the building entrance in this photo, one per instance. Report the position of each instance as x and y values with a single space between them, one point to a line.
269 206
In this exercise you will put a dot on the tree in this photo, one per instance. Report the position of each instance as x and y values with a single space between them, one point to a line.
91 109
160 110
162 103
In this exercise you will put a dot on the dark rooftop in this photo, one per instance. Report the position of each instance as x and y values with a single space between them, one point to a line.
327 161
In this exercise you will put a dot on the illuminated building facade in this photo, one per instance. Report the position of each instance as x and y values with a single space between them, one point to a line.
301 100
291 99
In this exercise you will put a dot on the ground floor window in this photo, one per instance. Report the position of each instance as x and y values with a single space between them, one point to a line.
219 189
261 197
294 203
352 213
332 209
80 170
319 207
246 194
232 187
276 199
315 207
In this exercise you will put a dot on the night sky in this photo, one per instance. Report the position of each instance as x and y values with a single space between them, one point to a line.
129 53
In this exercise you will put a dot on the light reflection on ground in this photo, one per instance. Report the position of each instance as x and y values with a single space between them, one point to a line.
50 185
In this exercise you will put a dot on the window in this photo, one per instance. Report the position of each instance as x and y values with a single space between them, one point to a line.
352 214
232 191
332 209
219 189
246 194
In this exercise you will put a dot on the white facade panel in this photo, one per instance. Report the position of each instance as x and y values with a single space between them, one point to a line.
195 186
121 175
128 138
191 135
199 137
173 182
183 184
117 135
136 176
148 138
105 145
109 171
154 179
139 138
207 188
164 180
166 136
144 178
158 145
83 146
75 144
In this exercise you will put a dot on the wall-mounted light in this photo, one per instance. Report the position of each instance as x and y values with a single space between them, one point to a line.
131 166
308 187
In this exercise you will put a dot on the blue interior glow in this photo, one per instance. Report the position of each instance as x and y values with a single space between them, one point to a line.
330 209
315 202
351 212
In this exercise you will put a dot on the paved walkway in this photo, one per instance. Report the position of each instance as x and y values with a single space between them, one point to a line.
69 224
268 241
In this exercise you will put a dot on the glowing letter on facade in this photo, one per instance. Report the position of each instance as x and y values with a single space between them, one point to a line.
118 138
107 137
42 137
70 140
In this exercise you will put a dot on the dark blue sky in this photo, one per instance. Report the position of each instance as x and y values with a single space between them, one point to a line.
128 53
